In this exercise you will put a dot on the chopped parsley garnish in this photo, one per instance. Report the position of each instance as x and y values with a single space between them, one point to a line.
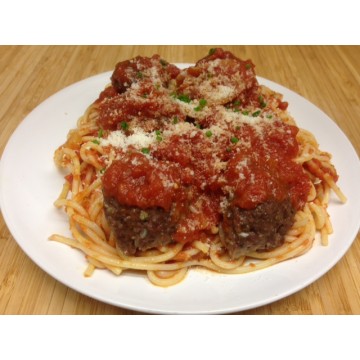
124 125
145 150
144 95
256 113
212 51
248 66
158 135
208 133
175 120
245 112
184 98
163 62
139 75
97 142
202 104
100 133
262 102
269 116
234 140
237 103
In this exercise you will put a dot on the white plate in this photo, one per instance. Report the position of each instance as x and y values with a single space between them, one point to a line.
30 182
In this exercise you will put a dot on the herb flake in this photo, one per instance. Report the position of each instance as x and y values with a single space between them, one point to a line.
184 98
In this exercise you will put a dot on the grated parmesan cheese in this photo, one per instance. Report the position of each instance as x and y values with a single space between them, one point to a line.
139 139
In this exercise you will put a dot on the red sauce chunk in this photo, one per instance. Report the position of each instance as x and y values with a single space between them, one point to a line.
265 170
143 105
219 77
135 180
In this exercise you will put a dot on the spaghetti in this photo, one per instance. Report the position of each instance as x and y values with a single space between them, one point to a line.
203 167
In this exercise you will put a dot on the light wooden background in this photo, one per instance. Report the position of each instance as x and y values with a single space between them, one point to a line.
328 76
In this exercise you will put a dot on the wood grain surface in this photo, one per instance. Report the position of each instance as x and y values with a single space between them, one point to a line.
328 76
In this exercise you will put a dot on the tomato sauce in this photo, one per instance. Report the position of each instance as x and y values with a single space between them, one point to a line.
266 171
138 181
202 157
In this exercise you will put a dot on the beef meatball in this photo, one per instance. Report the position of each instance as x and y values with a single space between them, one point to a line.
138 229
259 229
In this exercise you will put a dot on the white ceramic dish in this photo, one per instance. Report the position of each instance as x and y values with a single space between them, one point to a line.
30 182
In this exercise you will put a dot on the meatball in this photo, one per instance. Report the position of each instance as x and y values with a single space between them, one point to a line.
139 193
143 68
137 229
259 229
